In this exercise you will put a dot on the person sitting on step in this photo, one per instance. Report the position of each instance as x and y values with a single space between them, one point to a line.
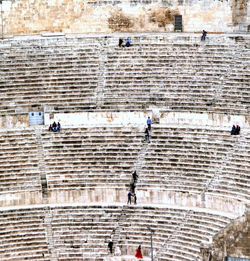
120 42
58 126
128 43
237 130
233 130
54 126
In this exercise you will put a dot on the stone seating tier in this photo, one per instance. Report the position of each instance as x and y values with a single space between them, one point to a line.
19 165
178 159
178 73
23 235
82 231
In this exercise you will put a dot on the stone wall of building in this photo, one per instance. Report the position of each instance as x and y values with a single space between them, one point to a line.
233 241
97 16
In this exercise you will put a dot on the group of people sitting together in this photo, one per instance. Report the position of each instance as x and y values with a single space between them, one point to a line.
127 43
55 127
235 130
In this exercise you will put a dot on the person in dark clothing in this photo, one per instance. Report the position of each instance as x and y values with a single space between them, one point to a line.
135 199
233 130
132 187
128 43
54 126
146 135
135 176
110 246
50 127
58 126
237 130
204 34
120 42
129 198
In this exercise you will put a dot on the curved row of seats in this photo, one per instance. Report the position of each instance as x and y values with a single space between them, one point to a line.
81 73
178 159
82 231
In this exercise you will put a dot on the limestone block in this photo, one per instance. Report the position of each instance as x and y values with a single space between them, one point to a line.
224 204
20 198
17 121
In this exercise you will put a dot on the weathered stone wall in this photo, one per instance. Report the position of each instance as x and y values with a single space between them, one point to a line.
92 16
232 207
233 241
138 119
129 119
156 196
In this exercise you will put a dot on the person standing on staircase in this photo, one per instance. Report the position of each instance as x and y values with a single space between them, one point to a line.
132 187
204 34
149 123
135 176
110 246
147 135
135 199
129 198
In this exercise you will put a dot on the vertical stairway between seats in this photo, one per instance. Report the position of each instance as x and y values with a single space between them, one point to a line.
102 72
42 168
49 234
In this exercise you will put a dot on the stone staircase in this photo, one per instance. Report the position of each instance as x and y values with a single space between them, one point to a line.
42 165
171 240
117 239
49 234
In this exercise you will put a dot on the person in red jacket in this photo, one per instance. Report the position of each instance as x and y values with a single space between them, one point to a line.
138 252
